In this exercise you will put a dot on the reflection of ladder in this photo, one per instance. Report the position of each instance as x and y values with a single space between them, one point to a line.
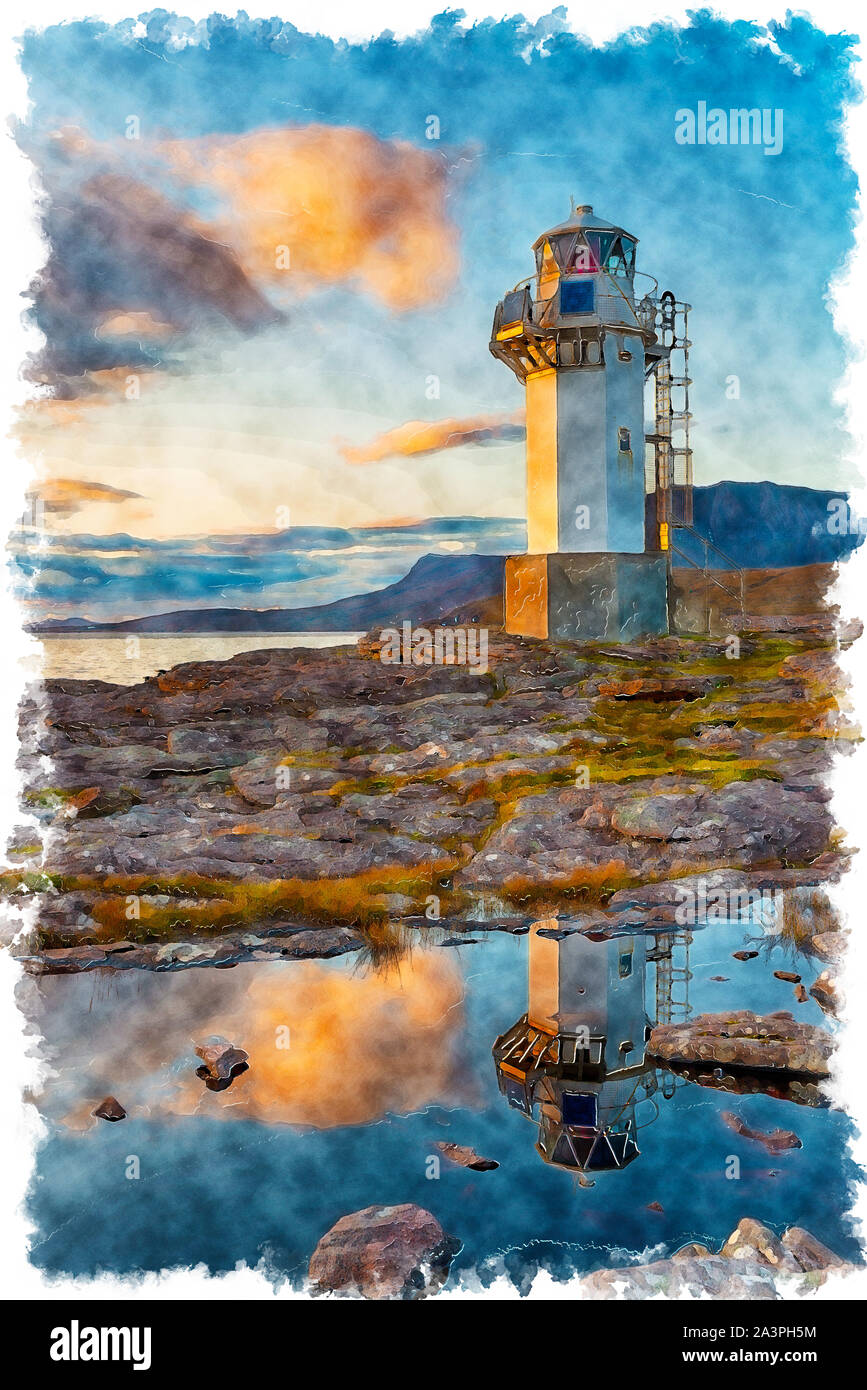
679 1008
672 981
661 954
672 989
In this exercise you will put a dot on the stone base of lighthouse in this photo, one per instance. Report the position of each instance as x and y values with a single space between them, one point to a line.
587 597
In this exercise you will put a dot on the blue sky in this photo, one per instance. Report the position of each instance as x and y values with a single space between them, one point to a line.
529 115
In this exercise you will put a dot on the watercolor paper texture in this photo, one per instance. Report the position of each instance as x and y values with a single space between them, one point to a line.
437 486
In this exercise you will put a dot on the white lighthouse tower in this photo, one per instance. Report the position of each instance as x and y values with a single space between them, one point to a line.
575 335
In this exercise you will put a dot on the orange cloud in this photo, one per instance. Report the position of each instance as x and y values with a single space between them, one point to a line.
65 495
346 205
430 436
134 324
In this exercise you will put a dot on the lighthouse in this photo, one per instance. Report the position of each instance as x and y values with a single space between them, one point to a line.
583 346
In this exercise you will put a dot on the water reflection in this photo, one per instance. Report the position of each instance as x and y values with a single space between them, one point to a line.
576 1062
382 1065
329 1045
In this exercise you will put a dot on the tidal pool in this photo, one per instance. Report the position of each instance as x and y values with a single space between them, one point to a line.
354 1075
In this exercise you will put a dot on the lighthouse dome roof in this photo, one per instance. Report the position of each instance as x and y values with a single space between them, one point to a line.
582 218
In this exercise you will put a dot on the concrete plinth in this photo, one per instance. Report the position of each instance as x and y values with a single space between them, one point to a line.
587 597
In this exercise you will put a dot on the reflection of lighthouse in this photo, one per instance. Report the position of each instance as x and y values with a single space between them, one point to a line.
583 345
575 1062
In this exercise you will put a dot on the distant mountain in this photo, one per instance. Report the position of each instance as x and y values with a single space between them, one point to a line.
436 584
757 525
768 525
292 538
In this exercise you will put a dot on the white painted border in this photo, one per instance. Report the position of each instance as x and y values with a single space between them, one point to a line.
21 258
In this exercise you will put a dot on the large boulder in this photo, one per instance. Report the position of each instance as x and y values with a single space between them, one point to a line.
744 1039
383 1252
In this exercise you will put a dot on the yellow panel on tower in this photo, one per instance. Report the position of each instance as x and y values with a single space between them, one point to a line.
542 462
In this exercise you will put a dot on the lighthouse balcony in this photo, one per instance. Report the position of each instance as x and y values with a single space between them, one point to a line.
567 329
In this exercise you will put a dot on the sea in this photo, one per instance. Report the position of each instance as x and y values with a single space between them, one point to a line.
130 659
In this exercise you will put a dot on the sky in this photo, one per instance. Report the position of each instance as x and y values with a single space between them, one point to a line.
268 291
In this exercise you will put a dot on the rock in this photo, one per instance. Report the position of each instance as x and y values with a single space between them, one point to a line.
788 975
809 1252
818 669
284 764
776 1142
662 829
464 1156
220 1059
752 1241
672 892
110 1109
736 1081
826 994
705 1276
801 994
656 688
753 1264
669 816
744 1039
69 960
744 955
655 1206
720 979
829 945
383 1252
321 944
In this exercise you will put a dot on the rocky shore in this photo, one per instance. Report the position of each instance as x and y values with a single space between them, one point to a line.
306 802
403 1252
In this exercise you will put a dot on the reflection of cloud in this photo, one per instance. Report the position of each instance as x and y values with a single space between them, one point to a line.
64 496
346 205
360 1046
428 437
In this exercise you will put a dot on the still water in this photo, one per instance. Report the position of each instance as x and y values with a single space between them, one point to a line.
127 660
356 1073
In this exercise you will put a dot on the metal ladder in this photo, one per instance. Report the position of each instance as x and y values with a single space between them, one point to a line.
673 474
